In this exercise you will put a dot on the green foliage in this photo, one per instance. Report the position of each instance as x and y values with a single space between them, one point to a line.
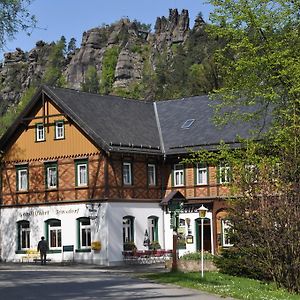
154 245
10 116
129 246
197 256
260 68
15 17
53 73
91 83
71 46
142 26
109 63
232 261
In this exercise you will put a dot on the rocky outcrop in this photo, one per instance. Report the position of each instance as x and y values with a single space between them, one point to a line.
175 29
129 69
22 69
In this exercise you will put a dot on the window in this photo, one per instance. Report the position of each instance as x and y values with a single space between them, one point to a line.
22 178
178 175
40 132
81 173
128 229
201 175
23 235
59 130
226 230
251 173
187 124
54 234
84 230
51 175
127 175
151 174
153 228
224 174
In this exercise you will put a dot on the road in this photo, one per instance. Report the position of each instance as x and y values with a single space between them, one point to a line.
35 282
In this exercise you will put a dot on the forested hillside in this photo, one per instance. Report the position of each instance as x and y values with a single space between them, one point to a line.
125 58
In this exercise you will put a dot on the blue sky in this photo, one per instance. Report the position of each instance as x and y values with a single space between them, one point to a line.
72 17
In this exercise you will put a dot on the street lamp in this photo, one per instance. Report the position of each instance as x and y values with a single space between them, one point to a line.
93 209
202 214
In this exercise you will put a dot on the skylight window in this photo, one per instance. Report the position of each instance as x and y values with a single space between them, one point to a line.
187 124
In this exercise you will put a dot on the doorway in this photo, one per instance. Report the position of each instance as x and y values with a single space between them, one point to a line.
206 235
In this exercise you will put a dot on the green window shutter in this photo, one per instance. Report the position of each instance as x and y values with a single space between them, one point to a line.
172 176
78 234
218 175
46 226
195 174
184 175
132 228
19 236
132 174
156 229
207 174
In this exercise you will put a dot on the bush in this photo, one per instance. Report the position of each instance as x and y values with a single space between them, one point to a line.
129 246
234 262
197 256
154 245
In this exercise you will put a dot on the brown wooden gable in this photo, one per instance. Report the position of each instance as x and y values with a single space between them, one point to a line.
24 147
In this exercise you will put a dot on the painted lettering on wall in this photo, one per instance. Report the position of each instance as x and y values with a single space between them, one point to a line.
40 212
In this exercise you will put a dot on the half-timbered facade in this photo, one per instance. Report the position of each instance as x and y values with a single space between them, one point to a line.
72 154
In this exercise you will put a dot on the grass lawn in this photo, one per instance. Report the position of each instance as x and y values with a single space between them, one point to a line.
225 285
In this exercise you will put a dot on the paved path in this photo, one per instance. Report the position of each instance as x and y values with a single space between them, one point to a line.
35 282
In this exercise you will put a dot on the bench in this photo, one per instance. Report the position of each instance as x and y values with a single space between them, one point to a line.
31 255
39 260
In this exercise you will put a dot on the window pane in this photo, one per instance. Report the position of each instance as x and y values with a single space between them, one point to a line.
151 175
127 173
52 177
82 174
22 180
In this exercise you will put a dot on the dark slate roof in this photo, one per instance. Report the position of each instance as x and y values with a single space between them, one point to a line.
114 123
202 133
134 126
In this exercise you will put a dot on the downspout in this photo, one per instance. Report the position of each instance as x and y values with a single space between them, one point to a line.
162 146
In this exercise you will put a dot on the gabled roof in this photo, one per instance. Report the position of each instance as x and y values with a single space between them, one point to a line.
134 126
178 136
113 123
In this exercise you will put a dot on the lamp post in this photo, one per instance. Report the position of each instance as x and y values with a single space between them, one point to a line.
93 210
202 214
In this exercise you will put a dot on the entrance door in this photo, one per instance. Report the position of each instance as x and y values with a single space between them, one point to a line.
206 235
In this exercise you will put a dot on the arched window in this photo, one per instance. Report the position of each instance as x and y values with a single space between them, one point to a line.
153 228
84 233
23 235
128 229
53 234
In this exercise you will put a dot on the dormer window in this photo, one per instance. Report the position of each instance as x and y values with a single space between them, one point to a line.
59 130
40 132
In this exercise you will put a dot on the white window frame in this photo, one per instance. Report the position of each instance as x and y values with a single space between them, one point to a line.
127 176
178 175
57 230
225 227
225 169
59 130
82 178
152 174
24 231
40 132
22 181
87 230
49 176
201 170
128 230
